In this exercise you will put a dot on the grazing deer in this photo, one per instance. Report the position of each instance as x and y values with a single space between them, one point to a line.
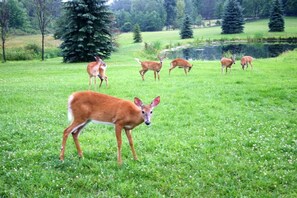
87 106
95 69
227 63
181 63
151 65
245 61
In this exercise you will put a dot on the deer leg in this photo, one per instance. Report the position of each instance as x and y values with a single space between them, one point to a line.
75 138
129 136
106 80
251 65
74 127
118 131
171 68
155 74
142 72
101 80
185 69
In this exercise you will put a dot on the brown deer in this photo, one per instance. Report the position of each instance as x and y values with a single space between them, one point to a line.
181 63
227 63
245 61
97 69
151 65
87 106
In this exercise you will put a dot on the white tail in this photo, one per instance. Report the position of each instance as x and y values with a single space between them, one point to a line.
245 61
182 63
227 63
97 69
151 65
88 106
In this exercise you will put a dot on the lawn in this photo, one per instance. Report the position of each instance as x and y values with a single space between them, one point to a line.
212 135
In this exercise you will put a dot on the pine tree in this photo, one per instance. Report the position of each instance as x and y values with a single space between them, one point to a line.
137 35
276 22
186 31
87 31
232 18
170 8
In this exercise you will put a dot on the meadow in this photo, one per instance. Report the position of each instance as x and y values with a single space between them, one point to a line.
212 135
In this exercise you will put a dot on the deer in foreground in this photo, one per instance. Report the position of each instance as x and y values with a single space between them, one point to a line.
87 106
245 61
181 63
97 69
227 63
151 65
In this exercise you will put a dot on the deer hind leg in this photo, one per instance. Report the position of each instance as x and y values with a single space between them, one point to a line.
101 80
142 72
75 127
251 65
75 138
130 139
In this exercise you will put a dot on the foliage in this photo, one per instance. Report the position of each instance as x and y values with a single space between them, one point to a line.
87 31
186 30
276 20
233 19
137 34
171 13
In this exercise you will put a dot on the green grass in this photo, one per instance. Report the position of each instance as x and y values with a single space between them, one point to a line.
212 135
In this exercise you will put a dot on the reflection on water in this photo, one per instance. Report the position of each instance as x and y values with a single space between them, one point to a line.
215 52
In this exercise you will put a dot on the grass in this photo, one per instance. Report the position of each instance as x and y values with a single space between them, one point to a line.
212 135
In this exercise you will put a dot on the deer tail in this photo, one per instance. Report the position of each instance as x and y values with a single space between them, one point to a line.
137 59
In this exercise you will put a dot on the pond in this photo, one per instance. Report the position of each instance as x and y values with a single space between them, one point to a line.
215 51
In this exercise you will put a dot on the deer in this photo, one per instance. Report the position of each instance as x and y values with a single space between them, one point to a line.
97 69
151 65
87 106
245 61
181 63
227 63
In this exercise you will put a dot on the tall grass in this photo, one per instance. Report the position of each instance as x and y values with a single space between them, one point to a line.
212 135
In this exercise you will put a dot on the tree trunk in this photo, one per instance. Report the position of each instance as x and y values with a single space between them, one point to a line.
42 46
3 50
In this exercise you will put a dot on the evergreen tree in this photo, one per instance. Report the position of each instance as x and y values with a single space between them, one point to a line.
233 18
276 22
186 31
137 35
87 31
170 8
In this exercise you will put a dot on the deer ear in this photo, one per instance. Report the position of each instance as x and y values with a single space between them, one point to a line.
138 102
156 101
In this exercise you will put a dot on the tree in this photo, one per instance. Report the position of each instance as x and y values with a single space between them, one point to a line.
87 30
171 13
4 21
186 31
136 34
233 18
44 13
276 20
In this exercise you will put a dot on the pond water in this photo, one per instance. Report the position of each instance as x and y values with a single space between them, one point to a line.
215 51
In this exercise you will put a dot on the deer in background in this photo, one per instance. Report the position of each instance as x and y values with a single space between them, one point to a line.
181 63
97 69
151 65
87 106
245 61
227 63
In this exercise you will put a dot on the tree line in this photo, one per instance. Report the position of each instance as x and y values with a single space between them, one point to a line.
86 27
153 15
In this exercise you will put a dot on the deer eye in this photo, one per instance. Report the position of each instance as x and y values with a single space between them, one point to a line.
151 112
142 112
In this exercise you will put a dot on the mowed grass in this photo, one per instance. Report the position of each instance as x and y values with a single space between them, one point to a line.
212 135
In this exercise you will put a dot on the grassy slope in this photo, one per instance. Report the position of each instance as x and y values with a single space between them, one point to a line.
212 134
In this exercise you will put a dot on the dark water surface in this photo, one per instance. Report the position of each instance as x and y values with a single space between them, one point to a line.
215 51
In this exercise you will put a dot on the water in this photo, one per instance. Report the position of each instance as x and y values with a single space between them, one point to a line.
216 51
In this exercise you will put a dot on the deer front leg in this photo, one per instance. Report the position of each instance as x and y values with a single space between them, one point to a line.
130 139
118 131
185 69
